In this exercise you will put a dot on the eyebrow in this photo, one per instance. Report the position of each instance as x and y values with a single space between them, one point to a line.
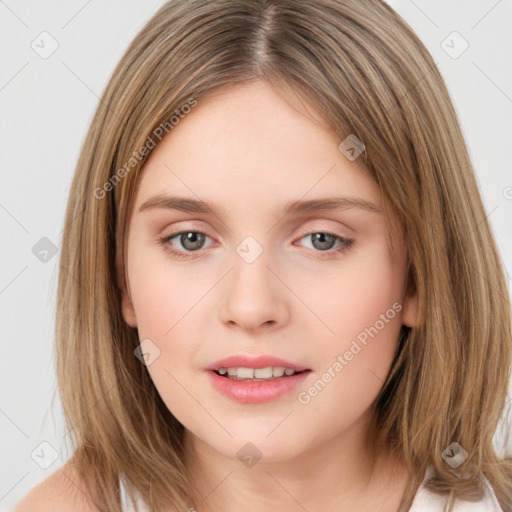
190 205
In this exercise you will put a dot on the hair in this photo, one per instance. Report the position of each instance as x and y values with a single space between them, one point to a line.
364 71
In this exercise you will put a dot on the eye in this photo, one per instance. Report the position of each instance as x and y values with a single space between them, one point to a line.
190 241
324 241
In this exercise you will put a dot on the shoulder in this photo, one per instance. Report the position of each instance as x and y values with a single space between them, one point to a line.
62 491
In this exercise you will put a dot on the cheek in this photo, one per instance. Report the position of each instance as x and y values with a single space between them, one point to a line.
353 367
360 306
163 294
165 301
168 304
354 294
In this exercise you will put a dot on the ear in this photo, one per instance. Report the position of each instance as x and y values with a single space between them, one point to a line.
128 310
126 301
410 309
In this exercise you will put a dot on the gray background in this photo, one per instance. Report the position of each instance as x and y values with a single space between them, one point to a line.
46 105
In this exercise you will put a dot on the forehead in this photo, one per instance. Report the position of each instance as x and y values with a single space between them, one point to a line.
249 144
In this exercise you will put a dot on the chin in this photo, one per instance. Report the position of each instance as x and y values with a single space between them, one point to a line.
255 444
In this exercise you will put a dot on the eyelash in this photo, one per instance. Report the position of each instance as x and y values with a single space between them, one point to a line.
346 243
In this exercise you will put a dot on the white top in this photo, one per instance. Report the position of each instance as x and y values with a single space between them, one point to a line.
424 500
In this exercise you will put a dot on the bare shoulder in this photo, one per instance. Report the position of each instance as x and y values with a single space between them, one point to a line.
61 491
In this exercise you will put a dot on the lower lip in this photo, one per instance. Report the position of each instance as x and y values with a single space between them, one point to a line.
256 392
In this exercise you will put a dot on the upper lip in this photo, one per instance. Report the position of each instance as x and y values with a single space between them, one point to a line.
245 361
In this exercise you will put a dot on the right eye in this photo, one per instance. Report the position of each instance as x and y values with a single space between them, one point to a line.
190 241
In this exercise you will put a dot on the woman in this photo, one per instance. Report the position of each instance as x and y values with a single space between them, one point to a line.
259 371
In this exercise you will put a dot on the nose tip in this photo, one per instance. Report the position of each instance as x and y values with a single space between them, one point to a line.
253 297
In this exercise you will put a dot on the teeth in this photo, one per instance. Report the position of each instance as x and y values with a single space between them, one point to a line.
245 373
278 371
263 373
256 373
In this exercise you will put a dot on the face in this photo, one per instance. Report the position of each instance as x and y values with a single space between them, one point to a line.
317 288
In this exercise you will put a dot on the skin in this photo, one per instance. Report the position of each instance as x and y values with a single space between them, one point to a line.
250 150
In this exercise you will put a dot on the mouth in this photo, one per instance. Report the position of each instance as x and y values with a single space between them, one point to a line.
257 374
253 379
256 385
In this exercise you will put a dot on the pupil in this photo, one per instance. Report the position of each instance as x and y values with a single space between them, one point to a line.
192 241
321 238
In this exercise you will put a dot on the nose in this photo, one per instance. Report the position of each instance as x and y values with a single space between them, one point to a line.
253 297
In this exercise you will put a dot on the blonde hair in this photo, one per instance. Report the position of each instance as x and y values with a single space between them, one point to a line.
366 73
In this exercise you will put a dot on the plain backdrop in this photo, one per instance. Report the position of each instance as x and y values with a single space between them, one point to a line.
55 60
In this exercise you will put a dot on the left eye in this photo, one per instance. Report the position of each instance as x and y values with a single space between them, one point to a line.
324 241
